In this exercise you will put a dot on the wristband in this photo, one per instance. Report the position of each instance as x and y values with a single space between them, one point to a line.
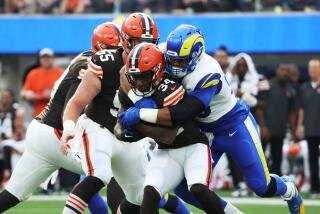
149 115
68 125
133 97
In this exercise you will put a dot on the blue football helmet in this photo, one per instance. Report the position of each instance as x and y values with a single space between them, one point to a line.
184 47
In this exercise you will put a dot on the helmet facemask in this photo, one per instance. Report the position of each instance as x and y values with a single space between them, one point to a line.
142 83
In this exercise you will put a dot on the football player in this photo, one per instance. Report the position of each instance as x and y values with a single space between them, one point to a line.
43 156
188 154
211 102
102 154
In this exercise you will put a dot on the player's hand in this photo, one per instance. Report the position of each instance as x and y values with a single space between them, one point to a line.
146 103
65 148
66 136
129 117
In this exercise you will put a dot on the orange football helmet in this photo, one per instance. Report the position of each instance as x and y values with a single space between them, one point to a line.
144 68
105 36
137 28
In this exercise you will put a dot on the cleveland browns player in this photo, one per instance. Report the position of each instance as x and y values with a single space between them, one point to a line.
43 156
102 155
187 154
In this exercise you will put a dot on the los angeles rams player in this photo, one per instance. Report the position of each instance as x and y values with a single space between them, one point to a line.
211 101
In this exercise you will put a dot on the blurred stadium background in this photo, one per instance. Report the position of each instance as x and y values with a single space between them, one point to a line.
272 32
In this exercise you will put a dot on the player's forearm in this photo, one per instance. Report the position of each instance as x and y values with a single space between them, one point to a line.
161 134
156 116
73 111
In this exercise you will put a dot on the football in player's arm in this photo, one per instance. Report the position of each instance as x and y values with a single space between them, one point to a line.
193 104
158 133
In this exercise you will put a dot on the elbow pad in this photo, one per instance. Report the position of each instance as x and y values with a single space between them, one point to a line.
188 108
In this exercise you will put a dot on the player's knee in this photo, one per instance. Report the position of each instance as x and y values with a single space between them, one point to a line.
102 175
264 190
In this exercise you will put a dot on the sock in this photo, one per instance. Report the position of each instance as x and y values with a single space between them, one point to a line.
150 202
128 208
172 204
7 200
281 186
208 199
97 205
223 202
182 192
81 194
115 195
230 209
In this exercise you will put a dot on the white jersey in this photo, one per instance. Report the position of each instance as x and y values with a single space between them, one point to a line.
224 101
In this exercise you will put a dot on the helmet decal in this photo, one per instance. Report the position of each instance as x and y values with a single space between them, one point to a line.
134 59
184 48
146 24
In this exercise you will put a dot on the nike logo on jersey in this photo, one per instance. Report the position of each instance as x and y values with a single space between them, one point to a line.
126 136
173 88
231 134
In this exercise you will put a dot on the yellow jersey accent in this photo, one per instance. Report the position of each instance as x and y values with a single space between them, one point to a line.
187 45
257 143
166 196
207 84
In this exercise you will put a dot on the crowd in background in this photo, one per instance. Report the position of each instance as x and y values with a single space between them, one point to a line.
155 6
287 111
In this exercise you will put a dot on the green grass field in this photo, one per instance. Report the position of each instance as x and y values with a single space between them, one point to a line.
55 207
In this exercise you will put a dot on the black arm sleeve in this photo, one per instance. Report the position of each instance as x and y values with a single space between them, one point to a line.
188 108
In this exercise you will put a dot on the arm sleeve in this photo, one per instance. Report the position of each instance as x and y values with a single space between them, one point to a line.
188 108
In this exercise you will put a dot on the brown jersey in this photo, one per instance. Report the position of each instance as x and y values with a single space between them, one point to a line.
63 90
168 93
106 65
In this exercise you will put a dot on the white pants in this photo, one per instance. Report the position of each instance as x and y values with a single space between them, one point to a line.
40 159
104 156
168 167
